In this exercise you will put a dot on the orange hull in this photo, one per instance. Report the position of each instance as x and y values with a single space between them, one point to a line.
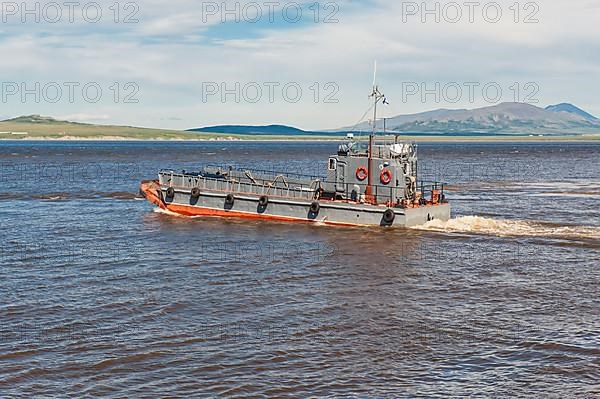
151 191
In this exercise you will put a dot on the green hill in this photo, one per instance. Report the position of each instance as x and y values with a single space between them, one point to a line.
41 127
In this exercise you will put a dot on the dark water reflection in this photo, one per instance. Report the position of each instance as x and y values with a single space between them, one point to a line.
100 296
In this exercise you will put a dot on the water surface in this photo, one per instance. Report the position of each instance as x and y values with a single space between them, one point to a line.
103 296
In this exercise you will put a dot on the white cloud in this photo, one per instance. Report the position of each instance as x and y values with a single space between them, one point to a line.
169 55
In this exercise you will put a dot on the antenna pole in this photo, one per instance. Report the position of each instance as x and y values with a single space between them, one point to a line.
371 142
377 96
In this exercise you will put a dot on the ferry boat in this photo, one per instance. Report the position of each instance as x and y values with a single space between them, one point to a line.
367 184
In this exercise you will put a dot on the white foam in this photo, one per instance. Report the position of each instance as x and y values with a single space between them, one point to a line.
508 228
171 213
167 212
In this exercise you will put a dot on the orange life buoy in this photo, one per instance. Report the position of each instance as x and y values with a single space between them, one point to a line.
386 176
361 173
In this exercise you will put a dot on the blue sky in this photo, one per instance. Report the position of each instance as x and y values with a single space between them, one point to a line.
159 68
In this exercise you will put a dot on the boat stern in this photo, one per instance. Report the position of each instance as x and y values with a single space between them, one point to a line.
421 215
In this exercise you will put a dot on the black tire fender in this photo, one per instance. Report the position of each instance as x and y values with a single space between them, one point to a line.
315 207
388 216
263 201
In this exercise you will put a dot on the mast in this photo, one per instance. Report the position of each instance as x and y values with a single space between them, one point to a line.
377 96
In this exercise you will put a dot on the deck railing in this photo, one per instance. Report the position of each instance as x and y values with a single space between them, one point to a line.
233 185
293 190
265 172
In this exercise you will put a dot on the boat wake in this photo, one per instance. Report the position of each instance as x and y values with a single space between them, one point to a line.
512 228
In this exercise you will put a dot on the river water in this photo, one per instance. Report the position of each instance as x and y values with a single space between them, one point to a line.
103 296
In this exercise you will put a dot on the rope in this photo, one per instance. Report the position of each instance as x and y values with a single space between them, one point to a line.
361 119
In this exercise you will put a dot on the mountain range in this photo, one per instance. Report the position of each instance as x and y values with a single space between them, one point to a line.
502 119
506 119
268 130
570 108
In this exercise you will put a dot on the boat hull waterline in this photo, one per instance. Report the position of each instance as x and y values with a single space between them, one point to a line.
210 203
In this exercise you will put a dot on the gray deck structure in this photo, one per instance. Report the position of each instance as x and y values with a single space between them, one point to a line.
341 198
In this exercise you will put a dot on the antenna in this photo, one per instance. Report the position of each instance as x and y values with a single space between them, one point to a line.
375 74
376 96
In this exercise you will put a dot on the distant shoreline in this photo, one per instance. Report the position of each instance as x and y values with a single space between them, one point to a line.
38 128
228 139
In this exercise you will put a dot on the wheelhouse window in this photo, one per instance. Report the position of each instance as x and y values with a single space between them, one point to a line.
332 164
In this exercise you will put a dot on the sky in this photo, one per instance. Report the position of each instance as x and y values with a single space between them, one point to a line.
183 64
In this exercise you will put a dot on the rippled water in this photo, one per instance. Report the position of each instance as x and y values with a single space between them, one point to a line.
102 296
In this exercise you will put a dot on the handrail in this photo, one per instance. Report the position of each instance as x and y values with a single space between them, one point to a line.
286 174
264 181
294 189
434 182
225 185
